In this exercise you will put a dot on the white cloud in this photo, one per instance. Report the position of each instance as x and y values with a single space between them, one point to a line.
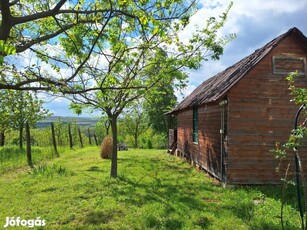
255 22
210 9
256 8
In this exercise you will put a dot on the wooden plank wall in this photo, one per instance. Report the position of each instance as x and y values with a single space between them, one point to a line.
205 153
261 114
171 137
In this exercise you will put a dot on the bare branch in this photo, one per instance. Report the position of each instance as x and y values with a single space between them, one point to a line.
51 57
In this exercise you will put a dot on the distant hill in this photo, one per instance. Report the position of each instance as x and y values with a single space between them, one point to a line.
82 121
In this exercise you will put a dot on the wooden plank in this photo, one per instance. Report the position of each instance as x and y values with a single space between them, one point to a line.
206 152
260 115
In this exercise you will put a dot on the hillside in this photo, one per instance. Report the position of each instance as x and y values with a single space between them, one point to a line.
82 121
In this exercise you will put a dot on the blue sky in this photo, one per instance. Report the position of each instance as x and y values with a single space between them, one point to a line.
255 22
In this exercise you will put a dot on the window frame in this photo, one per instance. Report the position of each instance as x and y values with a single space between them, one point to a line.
195 125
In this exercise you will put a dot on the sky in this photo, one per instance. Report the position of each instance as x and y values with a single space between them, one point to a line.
255 22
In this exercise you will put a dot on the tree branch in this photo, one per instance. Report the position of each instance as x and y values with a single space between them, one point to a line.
91 50
14 2
44 14
21 48
11 3
6 22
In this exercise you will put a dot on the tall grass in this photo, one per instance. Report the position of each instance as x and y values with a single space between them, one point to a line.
12 157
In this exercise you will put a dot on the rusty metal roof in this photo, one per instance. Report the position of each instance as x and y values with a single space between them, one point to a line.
217 86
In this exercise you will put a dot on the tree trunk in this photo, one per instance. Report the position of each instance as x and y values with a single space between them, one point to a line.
135 141
28 140
107 126
21 138
2 138
114 149
54 140
137 134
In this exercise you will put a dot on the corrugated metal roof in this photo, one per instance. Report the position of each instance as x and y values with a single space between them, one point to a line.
217 86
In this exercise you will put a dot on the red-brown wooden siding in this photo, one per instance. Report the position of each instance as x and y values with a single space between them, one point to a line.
260 114
206 152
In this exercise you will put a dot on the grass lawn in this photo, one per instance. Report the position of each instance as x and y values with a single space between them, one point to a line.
153 191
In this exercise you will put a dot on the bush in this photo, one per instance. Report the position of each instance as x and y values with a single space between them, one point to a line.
106 147
159 141
149 144
129 140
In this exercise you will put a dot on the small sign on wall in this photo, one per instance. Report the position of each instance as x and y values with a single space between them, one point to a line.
286 65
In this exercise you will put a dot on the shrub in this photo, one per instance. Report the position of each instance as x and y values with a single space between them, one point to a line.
149 144
159 141
106 147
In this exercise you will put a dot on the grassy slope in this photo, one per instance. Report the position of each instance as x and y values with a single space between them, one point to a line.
153 191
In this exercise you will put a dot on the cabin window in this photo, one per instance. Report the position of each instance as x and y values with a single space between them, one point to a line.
286 65
195 124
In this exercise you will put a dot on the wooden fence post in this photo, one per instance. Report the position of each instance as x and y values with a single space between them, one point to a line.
95 138
2 138
54 140
89 136
70 136
28 141
80 136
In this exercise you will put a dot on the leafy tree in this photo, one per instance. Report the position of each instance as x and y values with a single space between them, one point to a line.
135 121
135 55
103 125
40 26
22 107
157 103
65 34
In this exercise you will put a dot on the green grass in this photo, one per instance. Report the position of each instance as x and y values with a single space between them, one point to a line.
12 157
153 191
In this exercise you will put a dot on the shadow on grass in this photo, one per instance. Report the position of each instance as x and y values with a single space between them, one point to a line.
167 185
98 217
168 194
275 192
51 189
174 200
94 169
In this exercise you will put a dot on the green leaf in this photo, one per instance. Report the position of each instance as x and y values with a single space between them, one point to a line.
155 30
144 20
76 108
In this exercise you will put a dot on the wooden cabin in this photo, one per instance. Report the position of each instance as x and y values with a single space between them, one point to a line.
228 125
